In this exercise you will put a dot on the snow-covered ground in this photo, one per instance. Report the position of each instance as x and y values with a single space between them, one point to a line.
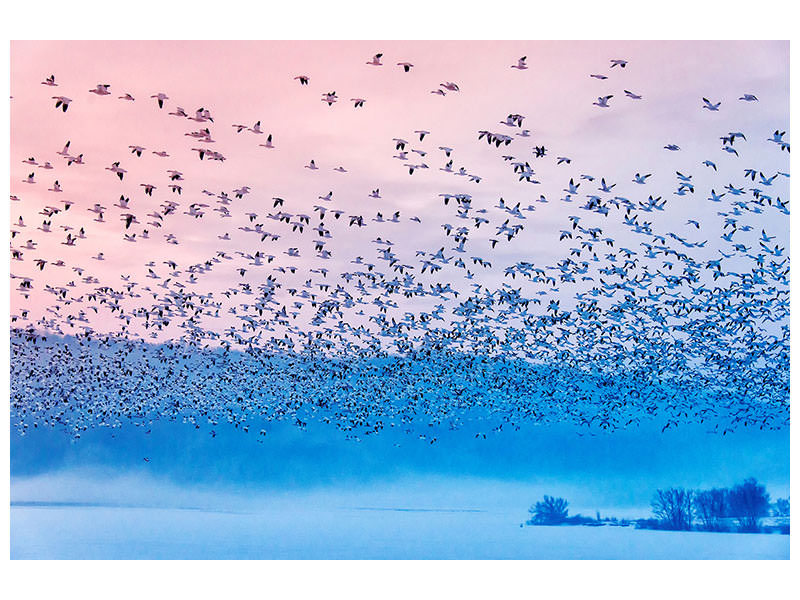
306 531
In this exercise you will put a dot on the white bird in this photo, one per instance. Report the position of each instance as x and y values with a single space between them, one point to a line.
630 94
708 163
602 101
376 60
618 62
777 137
312 165
521 64
115 168
51 81
201 115
160 97
268 143
65 151
63 102
749 98
406 66
101 89
709 105
75 160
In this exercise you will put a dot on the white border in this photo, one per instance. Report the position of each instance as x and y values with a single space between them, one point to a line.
412 19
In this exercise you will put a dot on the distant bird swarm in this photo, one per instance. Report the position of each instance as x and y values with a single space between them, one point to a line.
683 318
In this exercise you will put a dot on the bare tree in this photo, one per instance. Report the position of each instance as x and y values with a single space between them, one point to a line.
710 507
748 501
550 511
673 507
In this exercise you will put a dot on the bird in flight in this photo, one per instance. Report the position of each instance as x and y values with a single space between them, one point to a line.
160 97
102 89
602 101
62 102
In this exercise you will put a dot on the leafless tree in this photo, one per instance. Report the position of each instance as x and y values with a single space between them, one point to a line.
710 507
748 502
673 507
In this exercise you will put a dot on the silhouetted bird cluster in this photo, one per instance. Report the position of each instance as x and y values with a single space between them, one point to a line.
647 310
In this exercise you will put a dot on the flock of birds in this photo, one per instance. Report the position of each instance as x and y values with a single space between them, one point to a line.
649 311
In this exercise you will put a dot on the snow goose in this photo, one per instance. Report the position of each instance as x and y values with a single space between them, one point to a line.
268 143
602 101
62 102
160 97
101 89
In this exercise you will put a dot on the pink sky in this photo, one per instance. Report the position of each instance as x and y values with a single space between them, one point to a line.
244 82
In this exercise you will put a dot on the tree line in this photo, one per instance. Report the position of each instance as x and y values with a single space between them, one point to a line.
740 508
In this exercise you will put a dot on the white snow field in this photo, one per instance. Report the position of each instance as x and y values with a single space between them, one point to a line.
312 532
81 516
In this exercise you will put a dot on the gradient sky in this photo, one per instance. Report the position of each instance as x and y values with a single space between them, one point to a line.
243 82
